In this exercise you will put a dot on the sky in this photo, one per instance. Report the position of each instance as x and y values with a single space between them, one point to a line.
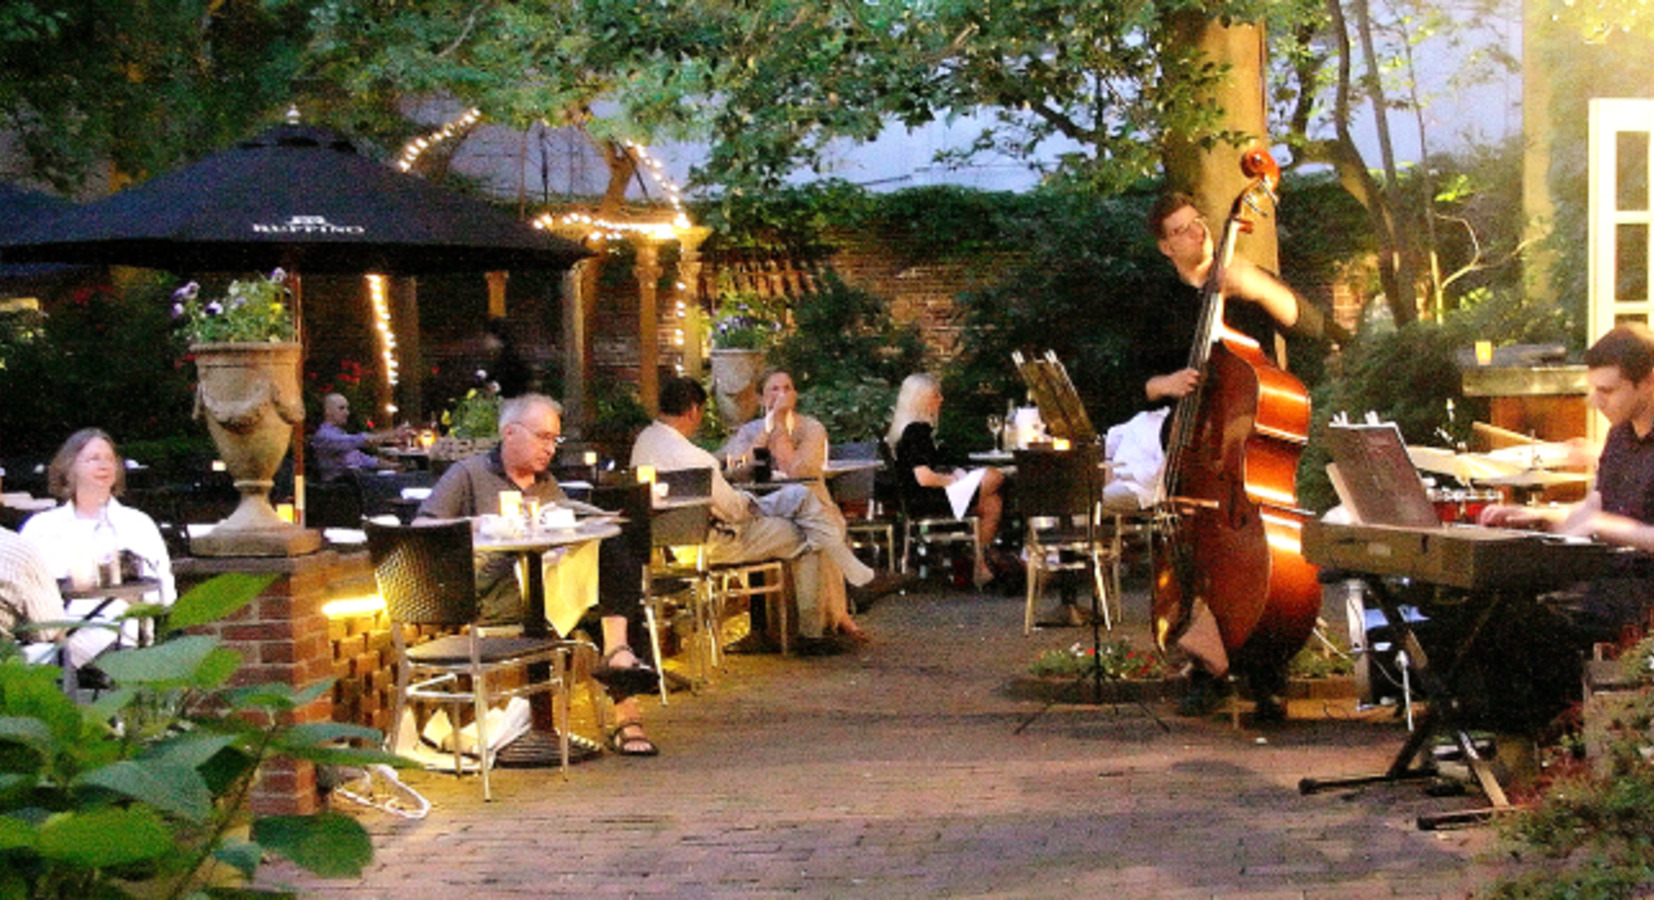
1456 115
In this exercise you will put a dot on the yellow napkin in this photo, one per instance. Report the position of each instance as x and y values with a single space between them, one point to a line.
571 584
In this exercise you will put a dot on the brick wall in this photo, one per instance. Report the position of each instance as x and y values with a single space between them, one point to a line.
283 638
919 292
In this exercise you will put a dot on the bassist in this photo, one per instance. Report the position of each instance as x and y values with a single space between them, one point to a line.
1183 236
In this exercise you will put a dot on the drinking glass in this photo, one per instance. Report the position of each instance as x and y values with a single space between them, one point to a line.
996 422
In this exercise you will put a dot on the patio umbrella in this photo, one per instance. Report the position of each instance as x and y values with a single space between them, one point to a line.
20 208
299 197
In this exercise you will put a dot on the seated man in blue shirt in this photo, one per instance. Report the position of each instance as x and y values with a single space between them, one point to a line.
338 452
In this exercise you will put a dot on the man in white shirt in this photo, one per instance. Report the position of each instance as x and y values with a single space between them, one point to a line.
790 523
28 594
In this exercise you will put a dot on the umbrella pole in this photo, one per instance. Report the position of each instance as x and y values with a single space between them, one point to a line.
296 285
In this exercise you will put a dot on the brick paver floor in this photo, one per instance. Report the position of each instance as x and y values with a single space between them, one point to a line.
894 772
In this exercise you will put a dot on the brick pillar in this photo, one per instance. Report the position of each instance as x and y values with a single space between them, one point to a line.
282 637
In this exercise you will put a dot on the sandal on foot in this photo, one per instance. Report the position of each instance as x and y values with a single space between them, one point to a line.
638 678
636 745
853 632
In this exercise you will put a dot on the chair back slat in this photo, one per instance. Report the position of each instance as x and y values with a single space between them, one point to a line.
857 486
687 482
425 572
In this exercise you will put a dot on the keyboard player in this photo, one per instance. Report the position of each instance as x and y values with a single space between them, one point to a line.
1619 509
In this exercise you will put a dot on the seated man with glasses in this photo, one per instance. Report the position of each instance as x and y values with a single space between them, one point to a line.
531 427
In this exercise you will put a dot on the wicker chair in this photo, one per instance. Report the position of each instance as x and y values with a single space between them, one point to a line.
426 576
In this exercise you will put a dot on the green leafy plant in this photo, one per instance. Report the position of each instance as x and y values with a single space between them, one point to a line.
617 415
1591 830
746 320
1318 660
143 792
476 415
251 311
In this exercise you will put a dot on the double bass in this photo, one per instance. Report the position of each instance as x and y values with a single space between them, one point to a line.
1231 586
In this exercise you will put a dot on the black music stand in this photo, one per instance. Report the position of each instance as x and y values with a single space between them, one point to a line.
1065 417
1059 404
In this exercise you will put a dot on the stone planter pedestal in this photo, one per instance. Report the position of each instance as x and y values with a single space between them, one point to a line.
735 376
249 395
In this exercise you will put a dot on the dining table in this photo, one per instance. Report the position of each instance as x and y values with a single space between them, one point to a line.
129 591
540 746
407 457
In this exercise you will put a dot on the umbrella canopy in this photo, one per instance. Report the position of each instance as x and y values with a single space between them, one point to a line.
19 209
295 196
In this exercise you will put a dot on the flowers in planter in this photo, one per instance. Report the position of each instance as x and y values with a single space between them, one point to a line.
252 311
1117 658
745 320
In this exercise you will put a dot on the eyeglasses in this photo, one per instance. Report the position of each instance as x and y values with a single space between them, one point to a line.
544 437
1183 229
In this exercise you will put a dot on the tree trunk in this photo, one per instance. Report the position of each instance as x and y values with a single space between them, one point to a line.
1212 175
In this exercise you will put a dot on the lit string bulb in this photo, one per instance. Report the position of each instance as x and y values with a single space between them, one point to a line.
382 324
417 147
608 229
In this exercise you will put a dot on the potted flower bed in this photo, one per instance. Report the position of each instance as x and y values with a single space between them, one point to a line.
247 363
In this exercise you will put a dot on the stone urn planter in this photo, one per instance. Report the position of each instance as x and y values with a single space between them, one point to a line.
249 395
735 376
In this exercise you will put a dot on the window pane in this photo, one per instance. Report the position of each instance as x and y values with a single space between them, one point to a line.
1631 263
1631 182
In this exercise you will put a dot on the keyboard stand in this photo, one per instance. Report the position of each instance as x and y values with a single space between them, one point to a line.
1439 717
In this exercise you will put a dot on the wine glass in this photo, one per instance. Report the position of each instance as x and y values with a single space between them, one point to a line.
996 422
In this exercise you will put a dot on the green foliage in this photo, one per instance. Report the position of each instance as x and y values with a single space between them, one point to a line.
476 415
93 356
618 415
747 320
1084 289
151 85
250 311
945 222
1118 660
1317 660
141 794
851 411
792 218
1593 830
847 357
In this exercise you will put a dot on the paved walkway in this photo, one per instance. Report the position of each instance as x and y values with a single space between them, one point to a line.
894 772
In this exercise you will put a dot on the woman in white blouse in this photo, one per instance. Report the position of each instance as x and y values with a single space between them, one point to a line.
92 528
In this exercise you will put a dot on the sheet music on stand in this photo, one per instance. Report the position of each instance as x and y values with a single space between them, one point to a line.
1374 477
1059 404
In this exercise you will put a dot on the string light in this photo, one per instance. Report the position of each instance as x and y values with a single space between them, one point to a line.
417 147
387 338
597 229
613 229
